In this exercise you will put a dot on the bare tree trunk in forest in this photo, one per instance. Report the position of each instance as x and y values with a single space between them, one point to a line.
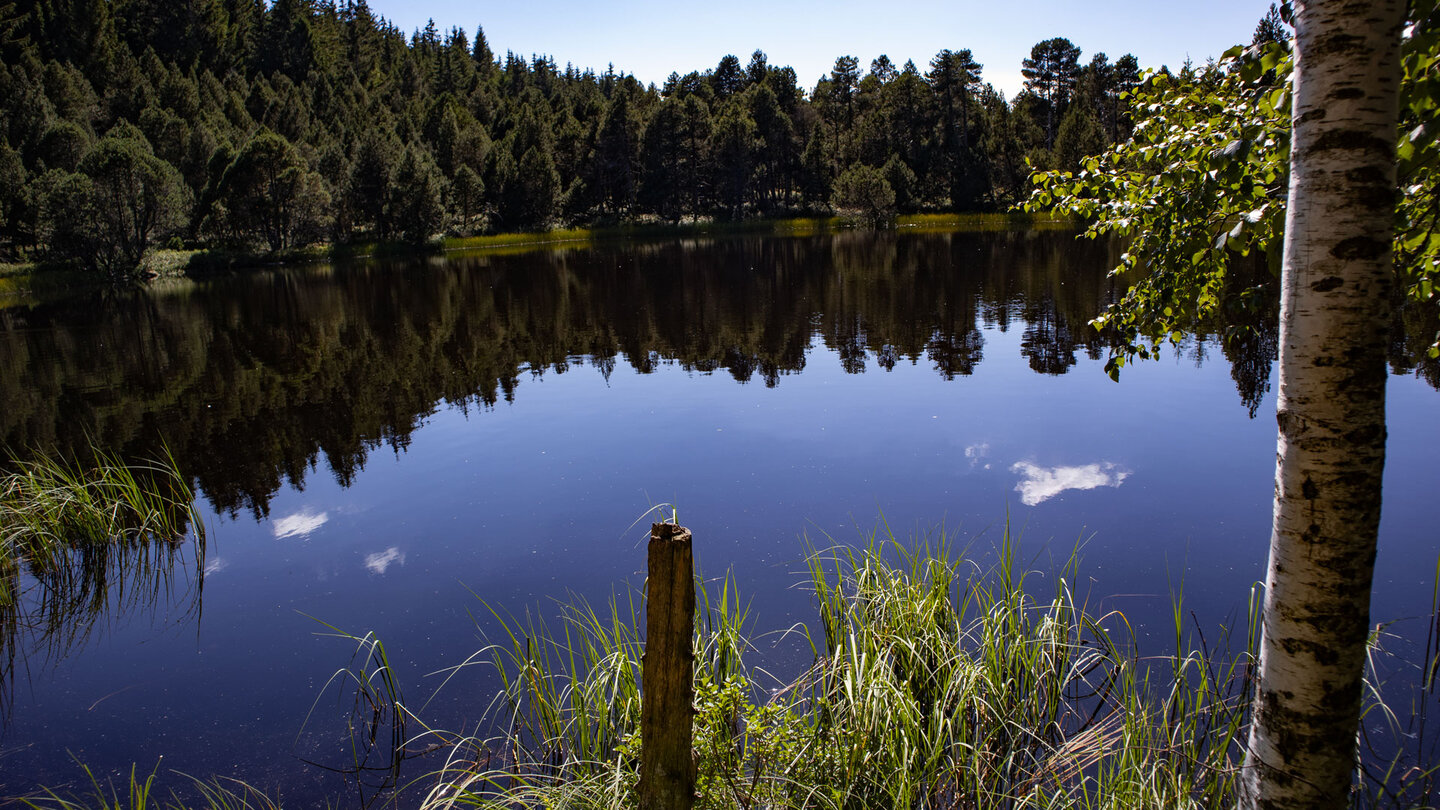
1331 411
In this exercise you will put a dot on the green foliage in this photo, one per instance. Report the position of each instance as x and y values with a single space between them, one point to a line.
863 192
1417 240
1079 137
12 186
466 196
353 95
418 209
902 182
64 144
1202 183
734 141
534 192
1050 73
371 176
268 194
130 197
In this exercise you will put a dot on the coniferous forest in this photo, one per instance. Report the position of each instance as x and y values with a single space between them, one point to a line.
264 128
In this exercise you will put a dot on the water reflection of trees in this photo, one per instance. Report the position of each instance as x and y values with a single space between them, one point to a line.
253 379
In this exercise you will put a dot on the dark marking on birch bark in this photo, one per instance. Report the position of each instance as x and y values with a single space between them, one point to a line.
1291 424
1359 248
1349 139
1339 42
1366 435
1367 176
1323 655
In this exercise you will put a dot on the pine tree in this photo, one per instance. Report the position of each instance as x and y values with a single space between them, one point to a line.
1050 72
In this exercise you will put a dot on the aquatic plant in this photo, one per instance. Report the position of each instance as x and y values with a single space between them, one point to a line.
83 541
934 682
138 792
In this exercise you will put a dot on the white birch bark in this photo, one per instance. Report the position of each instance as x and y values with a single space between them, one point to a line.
1334 317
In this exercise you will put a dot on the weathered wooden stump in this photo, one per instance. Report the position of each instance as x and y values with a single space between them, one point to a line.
667 769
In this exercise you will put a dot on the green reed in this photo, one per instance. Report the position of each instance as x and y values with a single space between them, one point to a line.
934 681
138 793
83 541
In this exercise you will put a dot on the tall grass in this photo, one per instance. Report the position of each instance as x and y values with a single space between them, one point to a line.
138 792
1400 761
934 683
83 541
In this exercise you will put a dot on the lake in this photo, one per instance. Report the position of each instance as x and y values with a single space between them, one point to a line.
393 445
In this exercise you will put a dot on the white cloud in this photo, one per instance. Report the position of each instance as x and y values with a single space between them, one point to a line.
378 562
1040 484
302 524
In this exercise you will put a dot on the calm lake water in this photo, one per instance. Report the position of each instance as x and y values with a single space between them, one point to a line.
381 445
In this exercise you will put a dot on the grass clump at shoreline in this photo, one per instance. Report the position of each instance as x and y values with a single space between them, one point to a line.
80 541
933 684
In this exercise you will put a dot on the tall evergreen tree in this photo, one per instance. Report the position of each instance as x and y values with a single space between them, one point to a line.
728 78
1271 28
614 158
417 198
287 44
734 145
844 80
759 68
482 55
1050 72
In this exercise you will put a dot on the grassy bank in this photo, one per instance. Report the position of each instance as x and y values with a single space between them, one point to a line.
933 682
20 282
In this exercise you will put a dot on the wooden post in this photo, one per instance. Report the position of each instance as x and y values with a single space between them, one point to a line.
667 769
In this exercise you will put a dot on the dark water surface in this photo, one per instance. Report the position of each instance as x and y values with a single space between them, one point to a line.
378 444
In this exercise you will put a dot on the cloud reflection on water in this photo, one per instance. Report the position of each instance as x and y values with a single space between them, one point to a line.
302 524
977 453
378 562
1040 484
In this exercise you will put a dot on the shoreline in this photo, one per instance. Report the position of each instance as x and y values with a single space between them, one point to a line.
21 280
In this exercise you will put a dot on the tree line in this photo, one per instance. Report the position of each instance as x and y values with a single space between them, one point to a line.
229 123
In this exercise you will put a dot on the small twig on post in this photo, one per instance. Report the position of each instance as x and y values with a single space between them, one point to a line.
667 769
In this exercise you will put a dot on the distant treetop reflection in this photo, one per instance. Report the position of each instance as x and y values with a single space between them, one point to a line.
251 379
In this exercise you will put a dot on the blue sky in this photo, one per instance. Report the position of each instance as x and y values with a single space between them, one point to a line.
650 38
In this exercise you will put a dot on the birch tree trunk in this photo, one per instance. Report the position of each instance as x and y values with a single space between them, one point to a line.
1331 412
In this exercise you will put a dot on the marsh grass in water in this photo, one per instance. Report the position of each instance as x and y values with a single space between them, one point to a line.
138 792
933 682
80 542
